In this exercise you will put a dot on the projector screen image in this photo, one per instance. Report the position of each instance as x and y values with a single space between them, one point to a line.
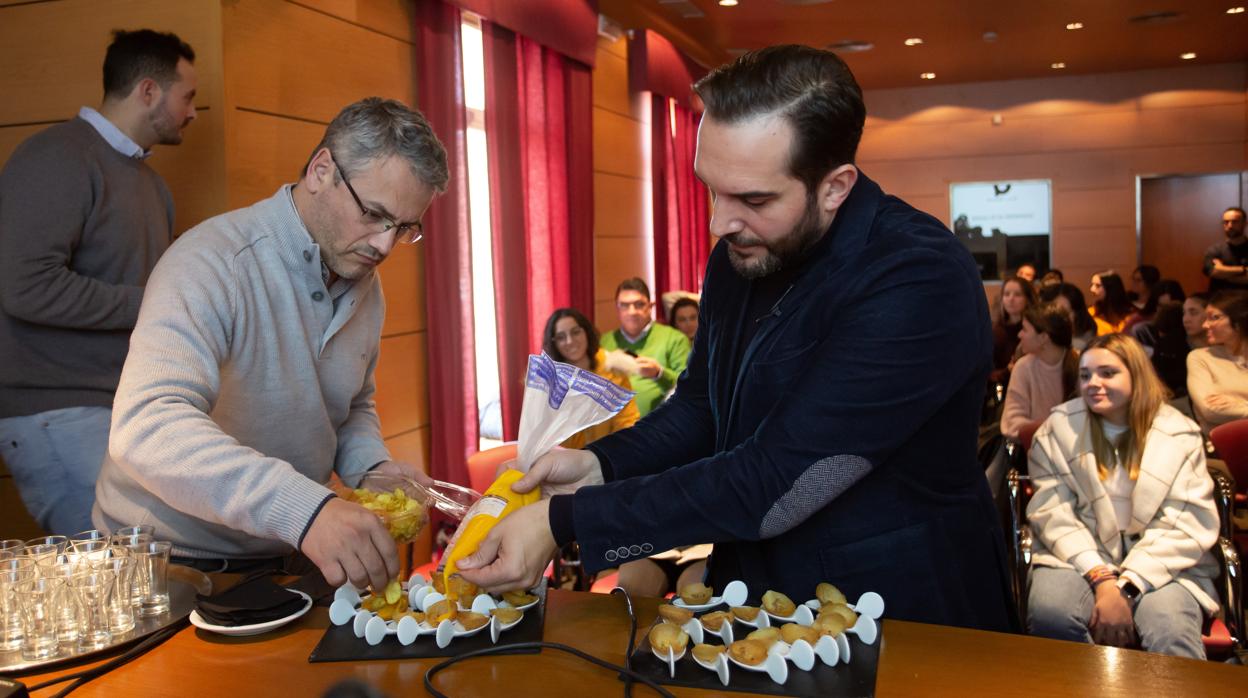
1003 224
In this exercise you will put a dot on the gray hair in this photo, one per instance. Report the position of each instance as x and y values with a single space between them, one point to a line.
376 128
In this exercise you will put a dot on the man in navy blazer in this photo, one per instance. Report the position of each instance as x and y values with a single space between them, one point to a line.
825 429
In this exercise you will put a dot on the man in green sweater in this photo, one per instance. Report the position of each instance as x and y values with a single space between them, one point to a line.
661 351
83 220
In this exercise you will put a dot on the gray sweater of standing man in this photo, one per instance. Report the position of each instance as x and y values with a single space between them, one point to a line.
81 227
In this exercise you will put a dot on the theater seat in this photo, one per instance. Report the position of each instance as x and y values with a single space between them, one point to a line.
483 464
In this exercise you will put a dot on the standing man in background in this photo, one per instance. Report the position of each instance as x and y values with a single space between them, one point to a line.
83 220
1226 263
662 351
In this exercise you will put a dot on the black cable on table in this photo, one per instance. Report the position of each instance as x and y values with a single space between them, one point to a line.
626 671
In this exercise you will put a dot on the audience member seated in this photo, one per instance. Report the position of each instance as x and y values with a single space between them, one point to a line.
1110 306
1027 272
684 316
1068 297
1169 347
1141 324
1046 374
1217 375
1052 277
572 339
661 352
1143 279
1194 320
1016 296
1123 517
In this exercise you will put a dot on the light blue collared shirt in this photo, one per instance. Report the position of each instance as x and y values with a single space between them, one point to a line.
109 131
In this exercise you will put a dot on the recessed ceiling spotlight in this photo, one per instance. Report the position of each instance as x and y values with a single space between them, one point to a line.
990 36
915 41
927 76
1234 10
727 3
1074 25
1058 66
1187 56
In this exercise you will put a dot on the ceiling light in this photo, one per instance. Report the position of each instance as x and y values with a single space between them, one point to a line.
1187 56
927 76
914 41
1235 11
1058 66
1075 25
727 3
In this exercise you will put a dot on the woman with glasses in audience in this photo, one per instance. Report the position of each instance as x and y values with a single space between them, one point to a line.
572 339
1016 296
1068 297
1123 517
1217 375
1111 309
1046 375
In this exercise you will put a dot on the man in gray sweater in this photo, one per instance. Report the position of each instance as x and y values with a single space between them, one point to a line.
250 375
83 220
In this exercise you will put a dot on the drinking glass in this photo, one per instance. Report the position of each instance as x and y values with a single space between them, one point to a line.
44 553
153 572
92 590
88 554
139 530
67 609
120 606
38 600
10 611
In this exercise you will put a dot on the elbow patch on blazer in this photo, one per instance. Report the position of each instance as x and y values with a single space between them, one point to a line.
822 482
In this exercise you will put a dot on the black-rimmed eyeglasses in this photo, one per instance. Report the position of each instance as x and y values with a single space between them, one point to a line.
406 233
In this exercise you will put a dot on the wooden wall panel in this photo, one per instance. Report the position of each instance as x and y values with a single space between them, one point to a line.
618 259
394 18
290 60
402 399
611 90
620 206
1090 135
617 148
268 151
403 281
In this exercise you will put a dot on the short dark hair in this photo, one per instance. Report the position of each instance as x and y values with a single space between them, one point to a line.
812 89
1149 274
143 53
1237 209
684 302
1233 304
634 284
551 347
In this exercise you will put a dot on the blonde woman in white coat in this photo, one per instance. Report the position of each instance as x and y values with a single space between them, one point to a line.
1123 516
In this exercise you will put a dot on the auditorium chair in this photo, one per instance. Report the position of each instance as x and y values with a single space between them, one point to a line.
1221 636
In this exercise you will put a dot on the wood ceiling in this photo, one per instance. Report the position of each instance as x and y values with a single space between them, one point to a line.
1029 36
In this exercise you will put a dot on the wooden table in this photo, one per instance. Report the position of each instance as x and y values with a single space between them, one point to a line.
916 660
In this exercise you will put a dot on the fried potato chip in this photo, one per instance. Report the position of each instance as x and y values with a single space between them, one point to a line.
752 652
695 594
665 635
442 610
792 632
708 653
845 612
507 616
439 584
416 616
767 636
746 613
373 603
778 604
827 593
394 590
519 597
472 621
461 588
675 614
714 621
830 624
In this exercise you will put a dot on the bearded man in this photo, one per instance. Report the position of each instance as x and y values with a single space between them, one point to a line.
825 429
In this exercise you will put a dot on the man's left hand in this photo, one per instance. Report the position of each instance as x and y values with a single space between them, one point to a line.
515 553
648 367
404 469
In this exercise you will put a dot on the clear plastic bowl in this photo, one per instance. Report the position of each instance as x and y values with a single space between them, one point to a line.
404 526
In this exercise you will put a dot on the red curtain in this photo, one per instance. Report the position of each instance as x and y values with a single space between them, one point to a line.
447 251
538 131
681 237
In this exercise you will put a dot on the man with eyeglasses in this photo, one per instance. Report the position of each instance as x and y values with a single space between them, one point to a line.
249 381
1226 263
83 219
662 351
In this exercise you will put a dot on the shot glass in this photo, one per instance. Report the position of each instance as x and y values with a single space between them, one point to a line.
44 553
120 606
13 544
38 599
10 611
67 609
139 530
92 590
152 569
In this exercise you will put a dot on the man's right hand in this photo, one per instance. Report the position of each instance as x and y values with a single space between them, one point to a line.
561 472
648 367
348 542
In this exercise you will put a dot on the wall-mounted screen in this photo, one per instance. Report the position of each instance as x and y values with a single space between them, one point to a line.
1004 224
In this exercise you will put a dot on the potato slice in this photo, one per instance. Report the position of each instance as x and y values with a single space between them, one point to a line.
416 616
695 594
675 614
778 604
394 591
461 588
518 597
827 593
507 616
792 632
751 652
845 612
665 635
767 636
472 621
746 613
708 653
714 621
442 610
830 624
